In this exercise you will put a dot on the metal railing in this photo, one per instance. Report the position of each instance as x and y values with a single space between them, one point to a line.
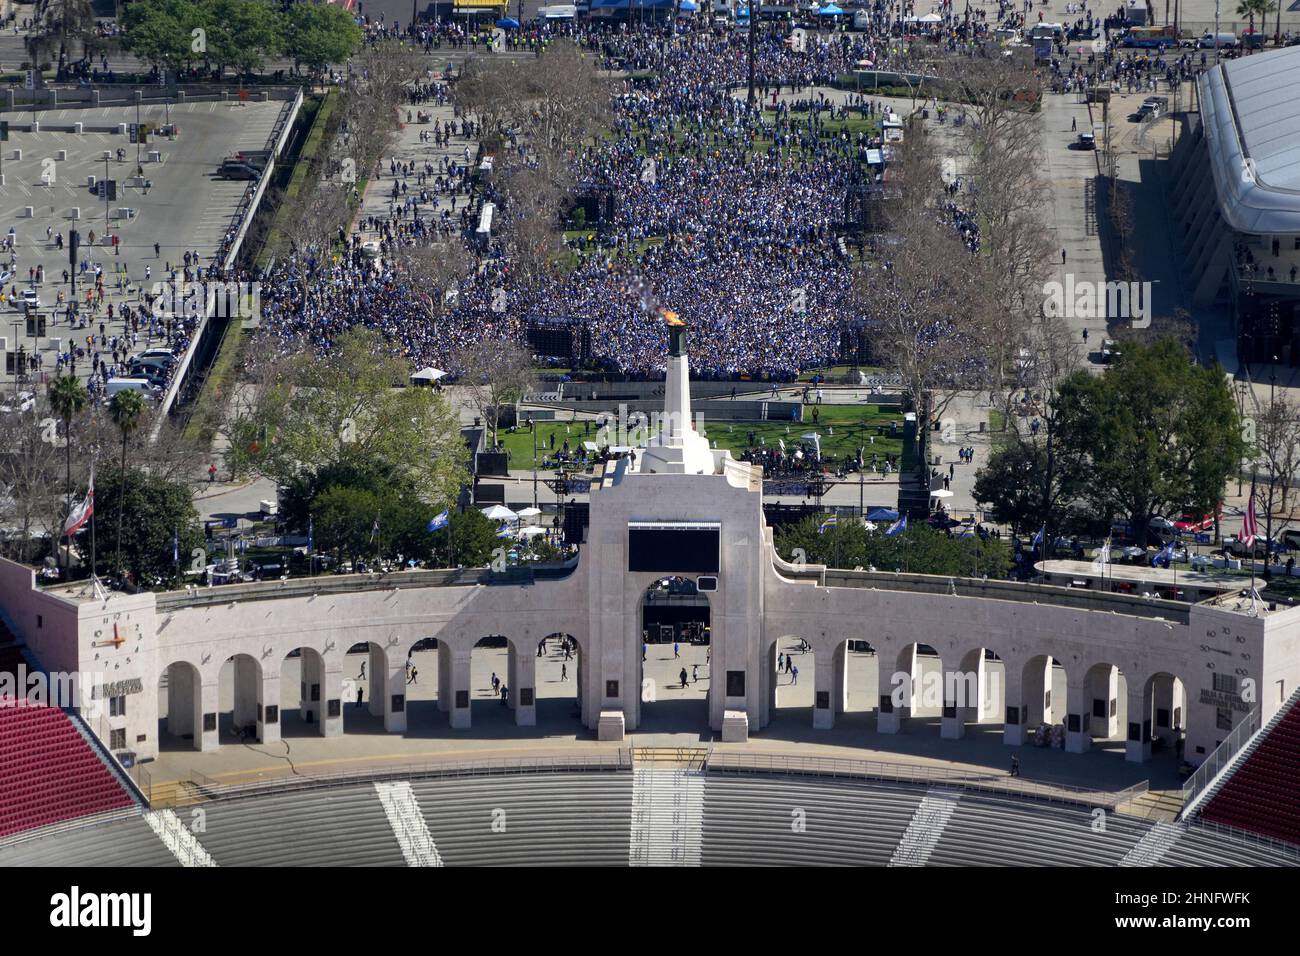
1227 751
1042 788
1222 756
1280 847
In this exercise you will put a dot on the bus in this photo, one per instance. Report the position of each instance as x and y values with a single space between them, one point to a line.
1150 37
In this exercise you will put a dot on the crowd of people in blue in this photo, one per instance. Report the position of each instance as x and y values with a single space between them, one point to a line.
733 215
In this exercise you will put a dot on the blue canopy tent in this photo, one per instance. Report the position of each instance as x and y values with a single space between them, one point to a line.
508 23
882 514
687 7
830 10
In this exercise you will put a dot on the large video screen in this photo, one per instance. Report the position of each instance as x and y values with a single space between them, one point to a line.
666 547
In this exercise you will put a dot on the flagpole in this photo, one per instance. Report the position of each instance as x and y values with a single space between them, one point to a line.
94 570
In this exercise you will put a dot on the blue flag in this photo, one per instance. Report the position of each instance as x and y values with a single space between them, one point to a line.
1164 556
1038 538
439 521
897 528
176 546
311 533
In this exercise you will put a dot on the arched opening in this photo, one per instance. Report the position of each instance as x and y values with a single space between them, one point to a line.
674 674
975 697
561 681
180 707
493 683
793 679
365 685
240 699
918 688
1042 708
303 694
1159 729
422 679
855 694
1105 708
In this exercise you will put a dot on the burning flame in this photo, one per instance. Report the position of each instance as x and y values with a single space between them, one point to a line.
670 317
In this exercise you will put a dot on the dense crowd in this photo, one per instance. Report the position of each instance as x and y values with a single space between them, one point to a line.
729 215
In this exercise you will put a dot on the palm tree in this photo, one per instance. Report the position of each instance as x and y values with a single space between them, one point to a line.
126 409
1252 8
68 398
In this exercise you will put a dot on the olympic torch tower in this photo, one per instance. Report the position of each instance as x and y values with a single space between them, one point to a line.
678 448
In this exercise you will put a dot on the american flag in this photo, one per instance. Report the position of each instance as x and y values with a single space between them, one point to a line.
1249 524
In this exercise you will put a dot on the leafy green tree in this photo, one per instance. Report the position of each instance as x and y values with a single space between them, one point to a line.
68 399
319 34
918 550
349 410
126 410
473 540
160 32
242 32
1155 433
156 509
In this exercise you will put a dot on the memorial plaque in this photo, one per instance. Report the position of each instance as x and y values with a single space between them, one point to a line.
525 697
735 683
462 699
333 707
1013 716
611 688
272 714
209 722
823 700
399 703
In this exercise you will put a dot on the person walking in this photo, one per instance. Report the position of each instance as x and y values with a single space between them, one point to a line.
1015 765
564 672
362 675
676 650
505 694
415 675
683 676
360 693
794 675
695 673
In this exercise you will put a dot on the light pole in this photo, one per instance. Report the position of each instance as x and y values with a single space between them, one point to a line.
533 423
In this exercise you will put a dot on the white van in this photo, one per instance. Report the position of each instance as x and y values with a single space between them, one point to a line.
141 385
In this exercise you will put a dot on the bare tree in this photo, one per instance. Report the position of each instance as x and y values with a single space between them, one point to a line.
496 374
435 272
31 482
1277 443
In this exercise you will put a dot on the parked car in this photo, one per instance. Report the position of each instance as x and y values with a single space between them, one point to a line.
1237 548
1086 141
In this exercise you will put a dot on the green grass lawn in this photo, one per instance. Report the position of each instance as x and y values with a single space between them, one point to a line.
843 429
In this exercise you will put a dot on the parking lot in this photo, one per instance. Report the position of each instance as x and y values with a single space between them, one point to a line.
172 199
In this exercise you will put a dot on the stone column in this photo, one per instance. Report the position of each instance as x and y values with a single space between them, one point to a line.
461 688
1078 707
889 718
312 674
824 689
332 703
209 736
840 679
1137 746
1013 726
523 683
1103 684
394 700
268 708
